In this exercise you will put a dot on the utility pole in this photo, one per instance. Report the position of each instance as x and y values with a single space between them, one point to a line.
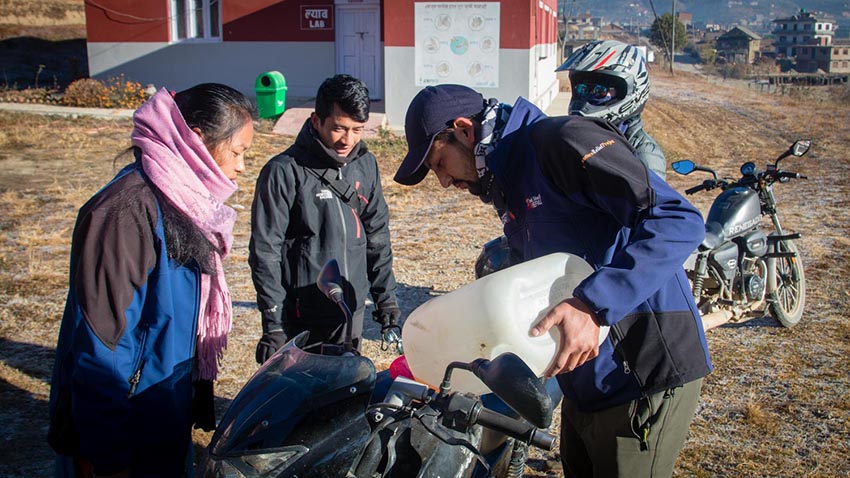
673 37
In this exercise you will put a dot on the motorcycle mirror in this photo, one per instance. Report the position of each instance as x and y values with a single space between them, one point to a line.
801 147
329 280
685 166
513 382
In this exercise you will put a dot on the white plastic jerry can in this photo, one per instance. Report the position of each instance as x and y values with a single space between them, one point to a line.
491 316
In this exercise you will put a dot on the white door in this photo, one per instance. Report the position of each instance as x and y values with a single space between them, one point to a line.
358 45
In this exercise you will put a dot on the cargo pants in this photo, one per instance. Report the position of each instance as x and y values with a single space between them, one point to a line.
641 438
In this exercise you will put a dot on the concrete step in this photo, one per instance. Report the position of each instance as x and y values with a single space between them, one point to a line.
293 118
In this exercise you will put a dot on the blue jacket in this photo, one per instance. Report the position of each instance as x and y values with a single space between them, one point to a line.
121 390
573 184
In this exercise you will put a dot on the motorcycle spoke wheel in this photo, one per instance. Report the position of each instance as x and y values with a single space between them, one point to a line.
788 291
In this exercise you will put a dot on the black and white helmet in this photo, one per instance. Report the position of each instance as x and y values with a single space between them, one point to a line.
600 68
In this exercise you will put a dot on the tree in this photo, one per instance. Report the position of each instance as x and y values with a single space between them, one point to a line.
661 33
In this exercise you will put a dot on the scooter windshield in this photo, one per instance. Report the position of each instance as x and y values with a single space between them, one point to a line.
291 385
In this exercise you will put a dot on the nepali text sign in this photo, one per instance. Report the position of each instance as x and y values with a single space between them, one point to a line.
317 17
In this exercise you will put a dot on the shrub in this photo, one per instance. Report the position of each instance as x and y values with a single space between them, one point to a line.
125 93
87 92
115 93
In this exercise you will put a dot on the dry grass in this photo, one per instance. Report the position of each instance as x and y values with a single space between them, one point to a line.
776 405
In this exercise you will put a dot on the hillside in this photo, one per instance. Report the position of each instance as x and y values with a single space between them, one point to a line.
724 12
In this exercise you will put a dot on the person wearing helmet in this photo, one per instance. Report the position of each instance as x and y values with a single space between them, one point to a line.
572 184
609 80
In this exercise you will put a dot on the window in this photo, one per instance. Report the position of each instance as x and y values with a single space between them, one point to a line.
195 20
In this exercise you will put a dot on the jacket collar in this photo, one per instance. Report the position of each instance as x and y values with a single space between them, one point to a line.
319 155
523 114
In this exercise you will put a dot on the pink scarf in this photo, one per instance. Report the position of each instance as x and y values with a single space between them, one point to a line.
175 159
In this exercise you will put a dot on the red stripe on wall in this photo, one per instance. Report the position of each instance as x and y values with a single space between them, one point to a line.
127 21
272 20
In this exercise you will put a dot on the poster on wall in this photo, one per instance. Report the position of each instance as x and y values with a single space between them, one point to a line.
457 43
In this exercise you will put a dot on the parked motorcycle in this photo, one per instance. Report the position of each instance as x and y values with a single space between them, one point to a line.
311 415
739 268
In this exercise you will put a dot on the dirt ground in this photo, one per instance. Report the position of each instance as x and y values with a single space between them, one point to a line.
776 405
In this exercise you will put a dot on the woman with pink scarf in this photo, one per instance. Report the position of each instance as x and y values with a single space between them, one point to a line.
148 309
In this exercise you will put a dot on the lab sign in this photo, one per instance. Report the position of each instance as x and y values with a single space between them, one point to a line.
317 17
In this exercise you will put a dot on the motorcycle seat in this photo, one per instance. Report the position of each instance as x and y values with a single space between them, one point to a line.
714 236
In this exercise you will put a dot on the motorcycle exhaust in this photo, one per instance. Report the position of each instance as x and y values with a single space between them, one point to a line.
716 319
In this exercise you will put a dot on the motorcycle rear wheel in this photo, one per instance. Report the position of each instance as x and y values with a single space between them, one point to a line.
786 285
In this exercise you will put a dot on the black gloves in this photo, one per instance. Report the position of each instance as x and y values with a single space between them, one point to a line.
269 344
387 316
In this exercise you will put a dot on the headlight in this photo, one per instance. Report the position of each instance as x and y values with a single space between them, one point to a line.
253 464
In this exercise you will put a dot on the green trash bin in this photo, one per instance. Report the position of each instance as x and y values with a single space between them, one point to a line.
270 88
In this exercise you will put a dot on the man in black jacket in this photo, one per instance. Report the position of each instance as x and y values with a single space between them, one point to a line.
321 199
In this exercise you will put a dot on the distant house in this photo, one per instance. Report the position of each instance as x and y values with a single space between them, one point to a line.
503 49
583 27
686 19
804 28
739 45
833 58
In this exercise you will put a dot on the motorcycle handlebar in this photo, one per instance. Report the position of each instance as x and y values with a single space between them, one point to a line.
790 175
695 189
515 429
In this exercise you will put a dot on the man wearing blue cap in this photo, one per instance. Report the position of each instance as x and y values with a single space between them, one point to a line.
573 184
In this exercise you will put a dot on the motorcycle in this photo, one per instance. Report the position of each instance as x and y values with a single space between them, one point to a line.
331 415
738 268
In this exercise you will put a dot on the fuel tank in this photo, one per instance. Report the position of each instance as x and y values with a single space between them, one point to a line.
737 210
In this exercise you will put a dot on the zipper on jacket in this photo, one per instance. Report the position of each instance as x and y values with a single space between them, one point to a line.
140 362
615 331
135 379
339 205
198 309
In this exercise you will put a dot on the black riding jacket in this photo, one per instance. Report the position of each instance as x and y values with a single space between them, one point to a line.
298 223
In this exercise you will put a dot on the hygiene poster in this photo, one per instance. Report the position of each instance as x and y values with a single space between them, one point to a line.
457 43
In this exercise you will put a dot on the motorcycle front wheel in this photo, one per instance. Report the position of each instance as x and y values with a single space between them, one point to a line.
786 285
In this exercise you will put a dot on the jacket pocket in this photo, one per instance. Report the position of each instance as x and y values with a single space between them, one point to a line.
139 362
658 348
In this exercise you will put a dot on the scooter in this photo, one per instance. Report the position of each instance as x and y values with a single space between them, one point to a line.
739 268
309 415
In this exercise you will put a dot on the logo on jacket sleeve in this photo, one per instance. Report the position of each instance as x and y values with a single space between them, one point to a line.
595 150
533 202
325 194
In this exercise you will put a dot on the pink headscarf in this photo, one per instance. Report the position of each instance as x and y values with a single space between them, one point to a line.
175 159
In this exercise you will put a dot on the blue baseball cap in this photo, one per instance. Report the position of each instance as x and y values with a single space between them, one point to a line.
432 110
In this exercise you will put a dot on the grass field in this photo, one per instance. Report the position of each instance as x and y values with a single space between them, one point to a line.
777 405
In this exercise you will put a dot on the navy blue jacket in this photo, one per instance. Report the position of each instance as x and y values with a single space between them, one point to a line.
573 184
121 390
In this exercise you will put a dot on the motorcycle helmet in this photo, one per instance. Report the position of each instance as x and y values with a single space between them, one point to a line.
495 255
609 80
